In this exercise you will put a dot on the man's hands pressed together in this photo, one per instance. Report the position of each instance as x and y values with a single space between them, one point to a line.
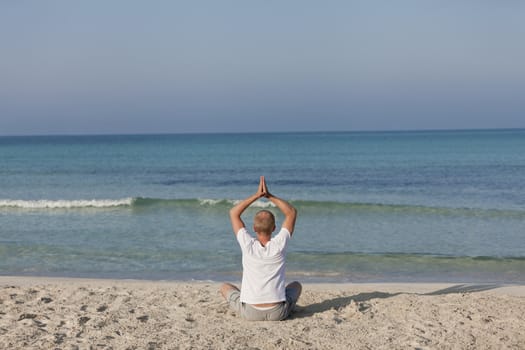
262 190
289 211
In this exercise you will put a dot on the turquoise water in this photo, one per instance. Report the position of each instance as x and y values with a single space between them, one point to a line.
373 206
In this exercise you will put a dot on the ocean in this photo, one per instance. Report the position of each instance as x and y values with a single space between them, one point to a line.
418 206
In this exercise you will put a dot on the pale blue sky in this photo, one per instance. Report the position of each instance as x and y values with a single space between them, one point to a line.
235 66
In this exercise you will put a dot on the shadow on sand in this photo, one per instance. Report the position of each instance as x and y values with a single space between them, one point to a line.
464 288
362 298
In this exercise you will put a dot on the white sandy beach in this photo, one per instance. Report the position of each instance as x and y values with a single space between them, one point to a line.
50 313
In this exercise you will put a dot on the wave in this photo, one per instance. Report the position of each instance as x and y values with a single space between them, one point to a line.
206 202
408 209
335 207
122 202
64 204
311 207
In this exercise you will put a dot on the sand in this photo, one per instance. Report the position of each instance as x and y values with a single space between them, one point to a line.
51 313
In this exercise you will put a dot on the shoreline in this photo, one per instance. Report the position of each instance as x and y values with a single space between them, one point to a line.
394 287
78 313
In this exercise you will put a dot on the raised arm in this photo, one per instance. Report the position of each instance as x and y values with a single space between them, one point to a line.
239 208
290 213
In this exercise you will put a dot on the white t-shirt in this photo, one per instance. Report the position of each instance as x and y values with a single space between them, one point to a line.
263 277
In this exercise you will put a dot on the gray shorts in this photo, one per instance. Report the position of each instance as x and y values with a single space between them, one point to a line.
277 313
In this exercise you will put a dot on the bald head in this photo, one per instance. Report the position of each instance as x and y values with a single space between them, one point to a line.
264 222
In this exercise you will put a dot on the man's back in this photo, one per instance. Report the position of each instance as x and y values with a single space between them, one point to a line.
263 278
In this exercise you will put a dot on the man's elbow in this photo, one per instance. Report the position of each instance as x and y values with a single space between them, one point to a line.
234 213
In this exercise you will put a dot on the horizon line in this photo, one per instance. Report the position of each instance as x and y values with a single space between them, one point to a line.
262 132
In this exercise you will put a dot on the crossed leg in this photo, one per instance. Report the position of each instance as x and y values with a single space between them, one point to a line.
226 288
293 290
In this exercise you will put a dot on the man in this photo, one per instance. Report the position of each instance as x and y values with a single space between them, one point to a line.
263 295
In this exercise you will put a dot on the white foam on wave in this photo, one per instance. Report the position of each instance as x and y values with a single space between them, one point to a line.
64 204
258 203
205 201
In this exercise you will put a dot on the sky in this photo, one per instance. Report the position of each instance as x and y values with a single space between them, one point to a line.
106 67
